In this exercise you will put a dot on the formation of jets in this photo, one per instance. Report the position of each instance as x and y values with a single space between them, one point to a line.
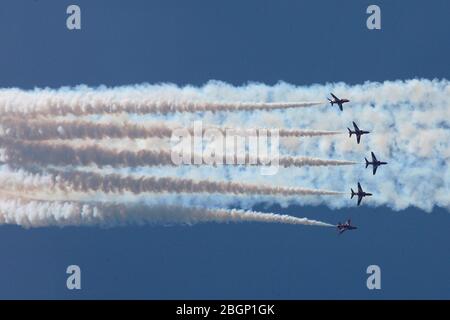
375 163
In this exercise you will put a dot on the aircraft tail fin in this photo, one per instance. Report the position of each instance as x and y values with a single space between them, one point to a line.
349 132
367 162
353 194
331 101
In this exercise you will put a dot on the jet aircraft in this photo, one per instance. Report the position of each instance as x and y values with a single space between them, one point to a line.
361 194
338 101
358 132
342 227
375 163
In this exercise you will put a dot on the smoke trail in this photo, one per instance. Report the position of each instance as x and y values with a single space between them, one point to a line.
27 153
44 130
70 181
305 161
140 99
33 213
22 129
408 120
410 129
85 181
305 133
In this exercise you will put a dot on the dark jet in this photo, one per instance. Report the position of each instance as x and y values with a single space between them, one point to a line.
342 227
338 101
361 194
375 163
357 132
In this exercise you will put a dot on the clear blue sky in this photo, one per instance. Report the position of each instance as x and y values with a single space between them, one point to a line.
191 42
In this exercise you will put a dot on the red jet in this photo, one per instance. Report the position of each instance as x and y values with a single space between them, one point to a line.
342 227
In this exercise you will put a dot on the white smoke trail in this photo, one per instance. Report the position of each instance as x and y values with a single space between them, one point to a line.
410 129
138 99
81 181
33 213
28 153
115 144
23 129
306 161
408 120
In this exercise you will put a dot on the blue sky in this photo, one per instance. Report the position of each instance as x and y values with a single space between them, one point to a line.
300 42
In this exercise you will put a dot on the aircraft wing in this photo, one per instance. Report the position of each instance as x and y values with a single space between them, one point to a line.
358 138
355 126
360 190
373 157
334 96
359 199
375 167
340 106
